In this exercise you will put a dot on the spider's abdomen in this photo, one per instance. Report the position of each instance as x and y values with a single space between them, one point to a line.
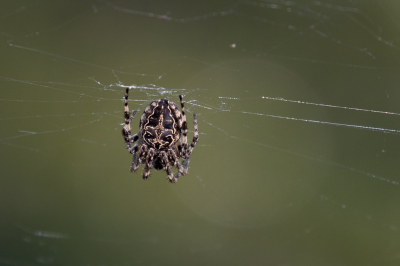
160 124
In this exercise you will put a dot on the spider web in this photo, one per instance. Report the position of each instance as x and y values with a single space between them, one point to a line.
297 161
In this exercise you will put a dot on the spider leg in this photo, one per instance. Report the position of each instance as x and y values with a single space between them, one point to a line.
150 157
195 137
149 163
134 138
142 153
138 156
184 129
126 130
132 115
185 168
178 148
135 161
173 159
167 168
146 172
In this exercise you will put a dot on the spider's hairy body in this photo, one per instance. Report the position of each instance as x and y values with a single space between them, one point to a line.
158 142
161 124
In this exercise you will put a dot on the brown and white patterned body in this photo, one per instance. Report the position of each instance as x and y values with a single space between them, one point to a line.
160 124
159 143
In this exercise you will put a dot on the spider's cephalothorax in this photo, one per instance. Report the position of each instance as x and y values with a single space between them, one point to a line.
158 142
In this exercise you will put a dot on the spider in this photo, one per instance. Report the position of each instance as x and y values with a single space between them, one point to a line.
158 142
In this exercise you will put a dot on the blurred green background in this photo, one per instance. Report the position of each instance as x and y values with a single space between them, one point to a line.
280 176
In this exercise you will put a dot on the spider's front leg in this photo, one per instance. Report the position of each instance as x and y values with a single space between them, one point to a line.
186 152
167 168
195 138
143 150
135 161
126 130
184 129
173 159
138 157
132 139
183 170
149 163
